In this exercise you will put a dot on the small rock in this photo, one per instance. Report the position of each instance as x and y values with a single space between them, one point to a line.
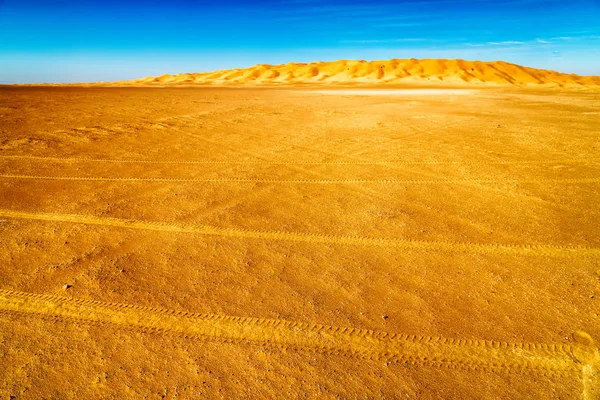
385 316
67 286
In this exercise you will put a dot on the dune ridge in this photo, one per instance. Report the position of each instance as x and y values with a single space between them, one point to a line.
386 72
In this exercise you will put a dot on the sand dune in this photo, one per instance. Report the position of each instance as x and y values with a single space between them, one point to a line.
389 72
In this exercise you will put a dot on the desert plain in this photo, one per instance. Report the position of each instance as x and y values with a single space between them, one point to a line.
299 242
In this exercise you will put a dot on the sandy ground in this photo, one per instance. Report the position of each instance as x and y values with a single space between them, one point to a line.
236 243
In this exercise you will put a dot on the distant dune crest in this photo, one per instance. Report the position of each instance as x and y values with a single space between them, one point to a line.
388 72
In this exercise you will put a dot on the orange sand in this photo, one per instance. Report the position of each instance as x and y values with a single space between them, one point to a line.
386 72
237 243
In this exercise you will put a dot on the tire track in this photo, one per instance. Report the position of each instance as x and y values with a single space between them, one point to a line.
419 245
420 350
367 191
304 181
283 162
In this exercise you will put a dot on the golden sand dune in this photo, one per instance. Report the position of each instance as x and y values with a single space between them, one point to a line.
388 72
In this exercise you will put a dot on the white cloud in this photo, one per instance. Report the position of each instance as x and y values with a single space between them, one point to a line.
506 43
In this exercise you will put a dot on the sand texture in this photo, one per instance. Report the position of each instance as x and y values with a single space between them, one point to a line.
386 73
208 242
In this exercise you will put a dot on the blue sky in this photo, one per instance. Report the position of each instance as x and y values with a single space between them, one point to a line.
93 40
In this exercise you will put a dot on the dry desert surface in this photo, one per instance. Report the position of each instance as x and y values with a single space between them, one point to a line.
212 242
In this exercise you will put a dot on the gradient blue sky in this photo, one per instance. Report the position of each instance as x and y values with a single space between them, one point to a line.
93 40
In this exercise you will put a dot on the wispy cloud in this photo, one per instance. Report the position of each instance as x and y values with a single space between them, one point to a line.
506 43
566 39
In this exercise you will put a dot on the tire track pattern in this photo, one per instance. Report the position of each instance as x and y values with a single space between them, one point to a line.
283 162
420 350
305 181
482 248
